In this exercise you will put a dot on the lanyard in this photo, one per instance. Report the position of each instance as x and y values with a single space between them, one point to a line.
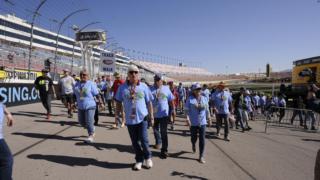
132 90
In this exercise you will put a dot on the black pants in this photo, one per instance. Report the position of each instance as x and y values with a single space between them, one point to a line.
96 115
110 106
46 101
160 132
224 118
201 131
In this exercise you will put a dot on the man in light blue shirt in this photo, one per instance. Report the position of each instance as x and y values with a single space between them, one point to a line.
205 91
136 99
222 104
162 96
197 111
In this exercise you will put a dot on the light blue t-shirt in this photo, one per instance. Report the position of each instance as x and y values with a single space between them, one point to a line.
247 100
1 120
100 85
107 88
181 92
197 110
135 109
85 93
282 102
221 101
275 100
161 98
256 100
206 93
262 100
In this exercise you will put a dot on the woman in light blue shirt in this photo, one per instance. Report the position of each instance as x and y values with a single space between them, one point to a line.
197 111
86 91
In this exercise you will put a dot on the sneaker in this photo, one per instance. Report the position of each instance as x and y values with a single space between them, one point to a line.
137 166
218 134
157 146
70 115
202 160
313 128
164 155
172 127
122 125
48 116
194 148
90 139
149 163
227 139
115 126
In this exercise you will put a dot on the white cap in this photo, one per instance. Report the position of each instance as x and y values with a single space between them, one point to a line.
133 68
195 86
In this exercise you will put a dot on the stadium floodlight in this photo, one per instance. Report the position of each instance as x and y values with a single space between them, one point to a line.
77 29
57 38
35 14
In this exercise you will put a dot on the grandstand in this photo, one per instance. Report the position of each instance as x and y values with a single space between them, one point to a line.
14 54
14 48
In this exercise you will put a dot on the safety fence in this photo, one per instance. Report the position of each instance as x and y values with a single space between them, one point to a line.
292 118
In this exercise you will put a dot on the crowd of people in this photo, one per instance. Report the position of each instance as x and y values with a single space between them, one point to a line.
138 105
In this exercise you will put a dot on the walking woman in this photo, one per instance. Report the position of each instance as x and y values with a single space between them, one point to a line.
86 91
197 111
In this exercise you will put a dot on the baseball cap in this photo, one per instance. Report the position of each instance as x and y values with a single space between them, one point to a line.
45 70
158 77
133 68
195 86
116 74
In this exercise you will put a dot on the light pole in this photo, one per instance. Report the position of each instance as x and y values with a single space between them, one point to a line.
36 12
57 38
76 29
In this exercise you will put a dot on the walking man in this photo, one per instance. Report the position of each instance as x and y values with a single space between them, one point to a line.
136 99
222 106
162 97
45 86
66 85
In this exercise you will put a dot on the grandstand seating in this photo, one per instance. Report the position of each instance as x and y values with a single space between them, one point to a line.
20 58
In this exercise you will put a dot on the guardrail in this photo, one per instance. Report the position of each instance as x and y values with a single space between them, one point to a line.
292 118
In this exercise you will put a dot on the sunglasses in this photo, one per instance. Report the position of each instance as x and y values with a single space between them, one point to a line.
83 74
133 72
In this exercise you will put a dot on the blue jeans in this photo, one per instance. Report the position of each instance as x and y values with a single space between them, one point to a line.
310 114
6 161
239 118
160 132
201 130
139 139
86 119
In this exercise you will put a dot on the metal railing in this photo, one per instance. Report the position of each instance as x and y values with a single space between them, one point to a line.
292 118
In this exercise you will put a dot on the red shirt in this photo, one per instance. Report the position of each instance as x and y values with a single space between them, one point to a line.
176 97
116 85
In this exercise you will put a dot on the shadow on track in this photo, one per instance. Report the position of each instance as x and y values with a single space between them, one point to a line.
78 161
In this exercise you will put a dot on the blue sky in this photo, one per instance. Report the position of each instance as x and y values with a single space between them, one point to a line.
218 35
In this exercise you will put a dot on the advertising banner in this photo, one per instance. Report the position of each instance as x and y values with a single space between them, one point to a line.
13 94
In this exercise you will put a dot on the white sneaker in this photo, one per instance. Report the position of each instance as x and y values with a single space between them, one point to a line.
90 139
149 163
137 166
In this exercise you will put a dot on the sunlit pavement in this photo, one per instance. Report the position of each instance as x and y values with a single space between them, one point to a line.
54 149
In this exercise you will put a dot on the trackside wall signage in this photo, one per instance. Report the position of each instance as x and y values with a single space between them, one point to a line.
13 94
